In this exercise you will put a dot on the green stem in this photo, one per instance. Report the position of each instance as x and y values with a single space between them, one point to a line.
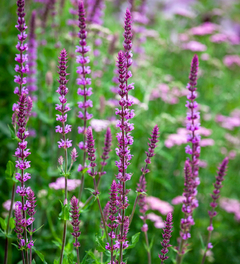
63 240
208 241
133 210
8 223
148 251
100 208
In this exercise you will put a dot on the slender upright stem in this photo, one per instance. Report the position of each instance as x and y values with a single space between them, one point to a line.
63 240
78 256
180 255
148 251
100 208
8 223
23 259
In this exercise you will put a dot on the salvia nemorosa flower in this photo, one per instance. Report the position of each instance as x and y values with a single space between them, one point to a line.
193 124
166 237
91 151
32 56
83 71
215 196
216 192
31 200
124 137
63 107
188 202
75 213
106 212
127 44
113 209
21 58
106 150
24 109
141 186
18 220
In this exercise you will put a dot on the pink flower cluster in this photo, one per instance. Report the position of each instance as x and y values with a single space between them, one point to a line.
168 95
181 137
72 184
231 206
229 122
230 60
155 203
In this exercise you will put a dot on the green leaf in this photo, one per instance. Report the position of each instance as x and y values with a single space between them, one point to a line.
57 243
38 253
56 261
33 261
12 223
90 190
15 245
84 259
201 239
3 224
38 229
70 258
100 244
151 244
64 215
93 257
135 239
10 169
12 133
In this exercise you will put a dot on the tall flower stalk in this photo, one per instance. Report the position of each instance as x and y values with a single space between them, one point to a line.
91 157
32 56
22 112
112 217
215 196
75 212
83 71
166 238
104 157
191 165
64 129
142 188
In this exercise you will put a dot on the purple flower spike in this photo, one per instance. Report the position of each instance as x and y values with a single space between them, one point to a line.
216 192
31 200
152 145
18 220
83 70
105 214
142 185
63 107
124 137
189 202
166 237
91 151
106 150
32 56
127 44
75 213
215 196
22 152
112 215
193 123
21 58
